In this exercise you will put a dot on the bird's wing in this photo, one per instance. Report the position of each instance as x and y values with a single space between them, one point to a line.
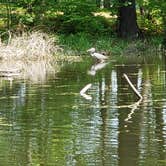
99 56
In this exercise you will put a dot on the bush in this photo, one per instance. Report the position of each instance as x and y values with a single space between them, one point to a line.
78 17
75 24
35 45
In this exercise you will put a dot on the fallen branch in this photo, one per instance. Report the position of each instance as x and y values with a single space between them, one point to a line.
88 86
87 97
9 74
14 70
83 92
132 86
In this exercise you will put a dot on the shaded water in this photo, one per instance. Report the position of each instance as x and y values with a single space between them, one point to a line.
50 123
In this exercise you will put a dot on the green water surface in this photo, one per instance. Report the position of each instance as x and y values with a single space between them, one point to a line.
49 123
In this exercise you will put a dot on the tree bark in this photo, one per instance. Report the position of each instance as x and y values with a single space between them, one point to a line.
98 3
127 27
164 38
107 4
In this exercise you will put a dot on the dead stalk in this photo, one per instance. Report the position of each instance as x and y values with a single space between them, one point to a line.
132 86
84 90
35 45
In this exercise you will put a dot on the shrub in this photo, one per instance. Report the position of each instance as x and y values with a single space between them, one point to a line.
78 17
75 24
35 45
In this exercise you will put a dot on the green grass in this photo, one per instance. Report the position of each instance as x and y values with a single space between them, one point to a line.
79 43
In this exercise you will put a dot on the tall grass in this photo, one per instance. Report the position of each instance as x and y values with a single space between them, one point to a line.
77 44
35 45
33 55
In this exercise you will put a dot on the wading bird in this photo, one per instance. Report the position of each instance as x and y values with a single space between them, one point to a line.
100 57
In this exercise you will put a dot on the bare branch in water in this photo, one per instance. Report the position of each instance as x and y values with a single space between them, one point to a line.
84 90
88 86
134 107
132 86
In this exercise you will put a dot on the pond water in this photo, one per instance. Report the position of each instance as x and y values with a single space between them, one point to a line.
50 123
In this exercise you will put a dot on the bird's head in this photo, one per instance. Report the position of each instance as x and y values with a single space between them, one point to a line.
91 50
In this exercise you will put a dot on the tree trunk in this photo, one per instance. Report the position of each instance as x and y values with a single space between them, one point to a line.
164 38
98 2
106 4
9 18
127 27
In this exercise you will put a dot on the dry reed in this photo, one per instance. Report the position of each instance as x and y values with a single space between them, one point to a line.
35 45
31 55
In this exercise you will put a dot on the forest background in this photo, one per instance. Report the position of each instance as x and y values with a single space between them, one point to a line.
80 24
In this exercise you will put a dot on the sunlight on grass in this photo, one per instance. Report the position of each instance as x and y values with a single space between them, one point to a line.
107 15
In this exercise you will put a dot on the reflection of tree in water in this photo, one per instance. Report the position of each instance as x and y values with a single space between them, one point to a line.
45 129
32 118
152 135
128 133
29 135
108 133
160 132
104 89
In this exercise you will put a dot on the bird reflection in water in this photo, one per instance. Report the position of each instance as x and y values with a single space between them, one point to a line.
97 67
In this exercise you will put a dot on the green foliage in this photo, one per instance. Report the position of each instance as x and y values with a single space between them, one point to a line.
76 23
153 11
78 17
80 42
77 7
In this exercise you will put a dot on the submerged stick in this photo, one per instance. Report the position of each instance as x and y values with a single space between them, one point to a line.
83 92
132 86
87 97
88 86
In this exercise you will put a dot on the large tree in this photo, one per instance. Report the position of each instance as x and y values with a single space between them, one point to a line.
103 3
127 19
107 4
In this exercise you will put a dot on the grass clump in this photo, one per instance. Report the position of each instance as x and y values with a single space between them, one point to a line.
28 46
31 56
77 44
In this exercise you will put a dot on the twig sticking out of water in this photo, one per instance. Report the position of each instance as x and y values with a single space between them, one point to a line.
135 105
132 86
83 92
88 86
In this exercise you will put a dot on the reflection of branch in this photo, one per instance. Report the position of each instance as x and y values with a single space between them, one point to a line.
87 97
136 104
132 86
83 92
134 107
